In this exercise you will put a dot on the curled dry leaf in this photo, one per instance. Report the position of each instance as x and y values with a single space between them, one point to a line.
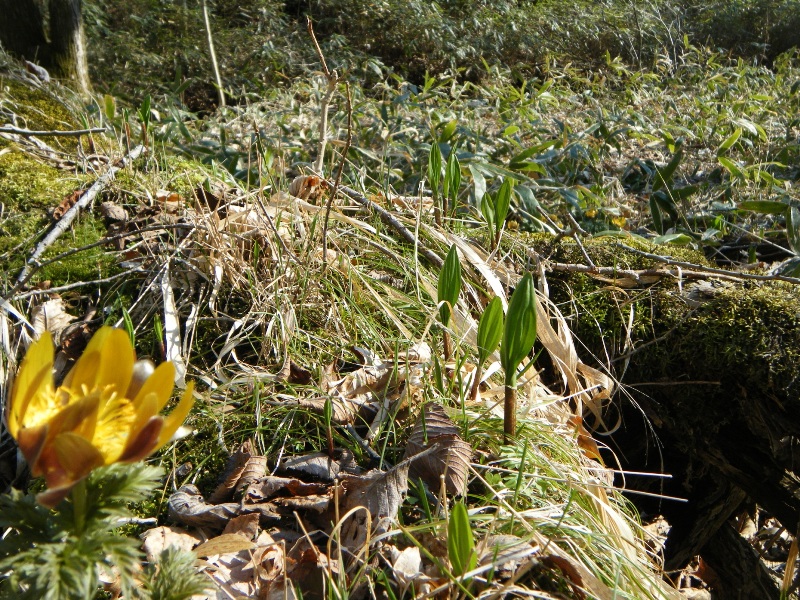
51 316
113 213
308 187
380 493
187 506
271 486
243 468
158 539
243 525
506 553
451 458
320 466
67 203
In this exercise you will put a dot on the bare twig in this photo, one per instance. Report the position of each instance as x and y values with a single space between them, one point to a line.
64 222
333 80
392 222
338 176
77 284
212 52
54 133
719 273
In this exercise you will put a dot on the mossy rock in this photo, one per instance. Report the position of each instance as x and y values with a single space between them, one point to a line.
709 393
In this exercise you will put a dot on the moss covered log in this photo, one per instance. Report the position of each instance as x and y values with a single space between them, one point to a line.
714 366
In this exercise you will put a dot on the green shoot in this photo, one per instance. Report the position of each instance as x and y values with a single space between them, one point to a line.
518 338
490 330
447 295
460 541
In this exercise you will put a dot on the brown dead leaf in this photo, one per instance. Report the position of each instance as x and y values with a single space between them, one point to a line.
272 486
68 202
244 466
227 543
320 466
585 441
158 539
308 187
51 316
451 458
381 493
243 525
187 506
113 213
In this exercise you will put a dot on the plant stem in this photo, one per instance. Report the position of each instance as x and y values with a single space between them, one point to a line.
509 413
447 343
476 382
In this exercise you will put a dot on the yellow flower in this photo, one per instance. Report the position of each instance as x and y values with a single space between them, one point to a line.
101 414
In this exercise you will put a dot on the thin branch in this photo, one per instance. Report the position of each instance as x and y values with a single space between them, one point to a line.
64 222
77 284
392 222
720 273
333 80
214 65
54 133
338 175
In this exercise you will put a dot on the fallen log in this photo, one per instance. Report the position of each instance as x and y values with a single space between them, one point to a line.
709 367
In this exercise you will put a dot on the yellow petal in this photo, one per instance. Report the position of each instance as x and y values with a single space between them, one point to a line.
144 443
177 416
31 441
107 360
160 383
76 457
78 417
69 459
114 424
34 376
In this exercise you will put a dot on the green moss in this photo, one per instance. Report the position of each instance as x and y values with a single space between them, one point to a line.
744 336
38 109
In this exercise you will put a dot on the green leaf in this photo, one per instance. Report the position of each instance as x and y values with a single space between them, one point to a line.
487 210
766 207
452 177
435 168
520 330
479 182
448 131
144 111
658 217
793 228
449 285
490 329
664 176
502 201
109 107
676 239
729 141
460 541
732 168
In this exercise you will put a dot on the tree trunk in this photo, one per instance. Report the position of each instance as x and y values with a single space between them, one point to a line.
22 31
67 43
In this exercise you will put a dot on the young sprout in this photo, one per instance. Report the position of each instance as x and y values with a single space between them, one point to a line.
435 178
518 338
460 541
447 295
490 330
494 209
452 181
